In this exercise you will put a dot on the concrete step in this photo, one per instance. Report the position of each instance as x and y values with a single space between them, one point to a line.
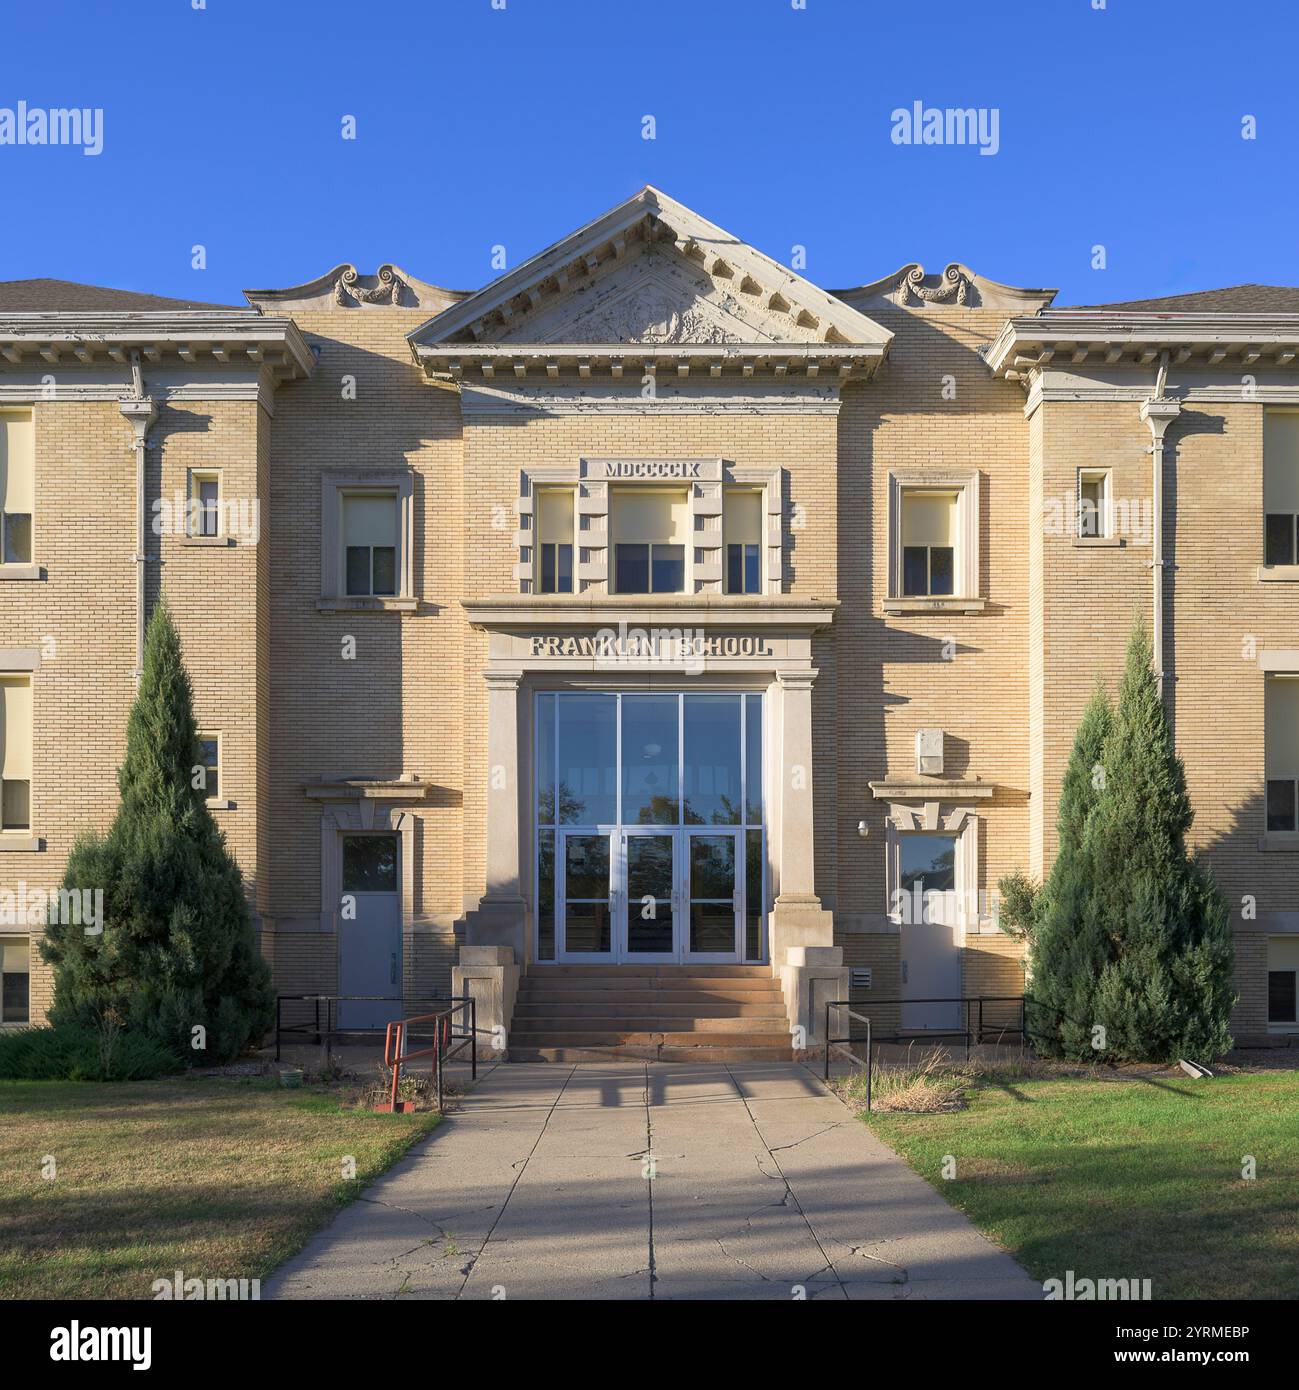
646 1023
715 1055
722 988
732 972
585 1005
626 1037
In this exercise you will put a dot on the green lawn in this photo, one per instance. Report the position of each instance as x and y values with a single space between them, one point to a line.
220 1178
1127 1178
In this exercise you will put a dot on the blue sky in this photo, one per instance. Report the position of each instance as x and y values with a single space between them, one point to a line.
475 126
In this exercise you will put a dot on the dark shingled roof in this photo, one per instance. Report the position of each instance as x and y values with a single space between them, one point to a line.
1233 299
67 296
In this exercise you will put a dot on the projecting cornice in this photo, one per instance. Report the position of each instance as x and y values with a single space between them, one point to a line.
543 613
1065 337
192 337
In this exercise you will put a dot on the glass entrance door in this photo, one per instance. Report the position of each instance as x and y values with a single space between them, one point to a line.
586 897
713 894
648 905
649 835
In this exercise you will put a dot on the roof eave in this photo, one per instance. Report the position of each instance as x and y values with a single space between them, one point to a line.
1037 340
453 360
114 335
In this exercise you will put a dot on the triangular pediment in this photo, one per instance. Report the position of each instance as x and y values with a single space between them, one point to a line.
651 272
654 295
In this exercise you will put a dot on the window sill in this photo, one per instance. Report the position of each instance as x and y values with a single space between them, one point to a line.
219 803
945 604
1279 574
1279 842
1095 542
19 842
20 571
209 542
367 605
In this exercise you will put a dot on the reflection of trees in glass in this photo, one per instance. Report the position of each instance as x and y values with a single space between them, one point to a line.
662 810
570 806
937 875
728 815
546 871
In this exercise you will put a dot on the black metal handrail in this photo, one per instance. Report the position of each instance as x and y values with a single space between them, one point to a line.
979 1031
845 1043
324 1035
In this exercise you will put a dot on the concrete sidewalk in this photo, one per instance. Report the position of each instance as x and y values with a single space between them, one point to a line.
633 1181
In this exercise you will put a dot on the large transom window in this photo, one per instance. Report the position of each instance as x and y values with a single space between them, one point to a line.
649 826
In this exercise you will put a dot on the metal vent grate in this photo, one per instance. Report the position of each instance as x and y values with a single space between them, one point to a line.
861 978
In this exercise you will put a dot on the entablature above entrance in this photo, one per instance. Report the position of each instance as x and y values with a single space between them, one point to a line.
619 636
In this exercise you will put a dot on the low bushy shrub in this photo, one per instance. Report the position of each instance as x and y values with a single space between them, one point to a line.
70 1052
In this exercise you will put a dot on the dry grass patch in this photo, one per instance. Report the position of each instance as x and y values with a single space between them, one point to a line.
221 1178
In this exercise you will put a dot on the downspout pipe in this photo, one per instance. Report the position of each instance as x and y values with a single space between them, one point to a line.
1158 411
140 412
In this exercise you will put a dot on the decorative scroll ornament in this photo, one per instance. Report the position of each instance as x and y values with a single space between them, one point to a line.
954 285
348 292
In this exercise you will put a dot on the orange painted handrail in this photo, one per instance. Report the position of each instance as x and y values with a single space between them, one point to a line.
394 1055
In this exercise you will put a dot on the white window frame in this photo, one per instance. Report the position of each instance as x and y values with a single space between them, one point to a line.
220 801
21 569
1282 1023
536 544
18 936
965 597
1278 666
334 487
193 514
935 818
1105 517
760 493
21 665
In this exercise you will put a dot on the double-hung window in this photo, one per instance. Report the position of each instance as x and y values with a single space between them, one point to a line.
17 487
370 527
1094 507
15 978
1281 751
651 533
204 504
1281 488
208 771
15 753
553 523
929 539
742 525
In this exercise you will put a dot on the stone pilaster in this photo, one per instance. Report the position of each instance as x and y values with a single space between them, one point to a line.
803 954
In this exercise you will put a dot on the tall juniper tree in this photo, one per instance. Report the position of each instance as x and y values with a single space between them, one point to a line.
1068 941
177 950
1166 989
1130 947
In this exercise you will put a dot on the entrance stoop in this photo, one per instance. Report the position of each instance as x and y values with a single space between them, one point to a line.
653 1013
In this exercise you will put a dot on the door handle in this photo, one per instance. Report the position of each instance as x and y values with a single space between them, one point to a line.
392 969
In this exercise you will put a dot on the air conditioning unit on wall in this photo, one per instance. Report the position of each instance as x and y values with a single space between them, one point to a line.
929 751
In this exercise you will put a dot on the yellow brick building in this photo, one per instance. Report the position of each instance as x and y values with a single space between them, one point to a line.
650 616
